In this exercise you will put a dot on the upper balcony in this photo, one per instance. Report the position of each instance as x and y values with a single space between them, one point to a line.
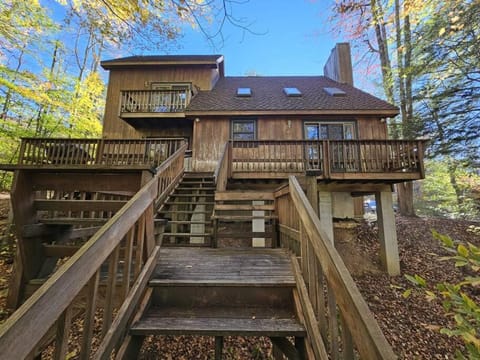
154 103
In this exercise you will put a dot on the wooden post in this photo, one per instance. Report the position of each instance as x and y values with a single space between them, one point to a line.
229 160
218 347
387 233
312 191
326 216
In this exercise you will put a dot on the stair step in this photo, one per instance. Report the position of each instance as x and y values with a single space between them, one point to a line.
188 234
170 211
197 182
218 322
241 217
183 188
189 203
189 222
224 267
192 195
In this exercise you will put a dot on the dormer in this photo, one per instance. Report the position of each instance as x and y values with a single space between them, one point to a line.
157 86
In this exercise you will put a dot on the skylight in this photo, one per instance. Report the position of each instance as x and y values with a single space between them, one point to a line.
244 92
292 91
333 91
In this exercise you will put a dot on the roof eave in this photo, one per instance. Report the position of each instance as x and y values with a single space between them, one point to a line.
371 112
110 64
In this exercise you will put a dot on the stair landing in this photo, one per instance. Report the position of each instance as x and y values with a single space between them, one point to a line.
223 267
220 292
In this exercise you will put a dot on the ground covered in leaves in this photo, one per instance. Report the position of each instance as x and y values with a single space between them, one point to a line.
410 324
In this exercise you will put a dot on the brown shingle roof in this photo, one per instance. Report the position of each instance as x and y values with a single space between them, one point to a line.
268 96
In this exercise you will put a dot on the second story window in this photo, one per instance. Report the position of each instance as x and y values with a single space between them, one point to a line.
244 129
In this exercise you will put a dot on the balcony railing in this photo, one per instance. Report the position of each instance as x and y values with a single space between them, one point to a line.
153 101
345 159
97 152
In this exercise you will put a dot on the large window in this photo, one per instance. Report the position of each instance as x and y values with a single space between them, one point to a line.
324 130
244 129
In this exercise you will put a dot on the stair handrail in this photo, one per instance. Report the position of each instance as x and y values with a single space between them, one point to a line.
222 170
301 232
53 302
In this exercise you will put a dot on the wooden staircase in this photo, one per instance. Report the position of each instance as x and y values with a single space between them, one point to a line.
222 292
56 212
188 211
245 219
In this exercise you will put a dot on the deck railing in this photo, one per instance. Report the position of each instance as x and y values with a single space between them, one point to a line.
154 101
338 321
125 246
222 171
327 157
97 152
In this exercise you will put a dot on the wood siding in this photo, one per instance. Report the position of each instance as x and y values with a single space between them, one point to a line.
371 128
141 79
210 134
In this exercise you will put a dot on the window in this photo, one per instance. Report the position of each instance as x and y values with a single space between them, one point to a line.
333 91
344 156
292 91
322 130
244 129
244 92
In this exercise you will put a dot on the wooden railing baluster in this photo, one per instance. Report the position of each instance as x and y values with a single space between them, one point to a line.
89 322
345 328
61 337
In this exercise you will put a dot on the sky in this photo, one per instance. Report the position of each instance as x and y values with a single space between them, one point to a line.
291 38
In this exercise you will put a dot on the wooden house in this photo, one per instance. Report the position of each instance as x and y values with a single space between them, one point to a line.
176 220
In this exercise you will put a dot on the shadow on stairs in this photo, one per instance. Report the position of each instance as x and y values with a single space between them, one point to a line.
221 292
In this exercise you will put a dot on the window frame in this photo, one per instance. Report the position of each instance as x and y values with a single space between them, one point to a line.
243 120
319 123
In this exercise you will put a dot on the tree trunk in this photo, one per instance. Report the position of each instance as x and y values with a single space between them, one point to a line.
405 198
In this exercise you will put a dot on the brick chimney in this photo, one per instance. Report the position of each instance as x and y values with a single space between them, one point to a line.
339 64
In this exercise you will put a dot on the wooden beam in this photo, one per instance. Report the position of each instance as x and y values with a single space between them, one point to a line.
354 187
79 205
87 182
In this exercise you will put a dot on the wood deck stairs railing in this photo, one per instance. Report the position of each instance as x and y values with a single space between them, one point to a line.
301 290
188 211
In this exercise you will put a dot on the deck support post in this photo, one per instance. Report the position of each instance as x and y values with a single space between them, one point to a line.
326 213
387 233
218 347
301 347
312 192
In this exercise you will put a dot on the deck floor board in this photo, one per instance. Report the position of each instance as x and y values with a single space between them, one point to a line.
223 266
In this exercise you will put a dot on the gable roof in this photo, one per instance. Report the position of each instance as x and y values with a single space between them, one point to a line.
268 96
